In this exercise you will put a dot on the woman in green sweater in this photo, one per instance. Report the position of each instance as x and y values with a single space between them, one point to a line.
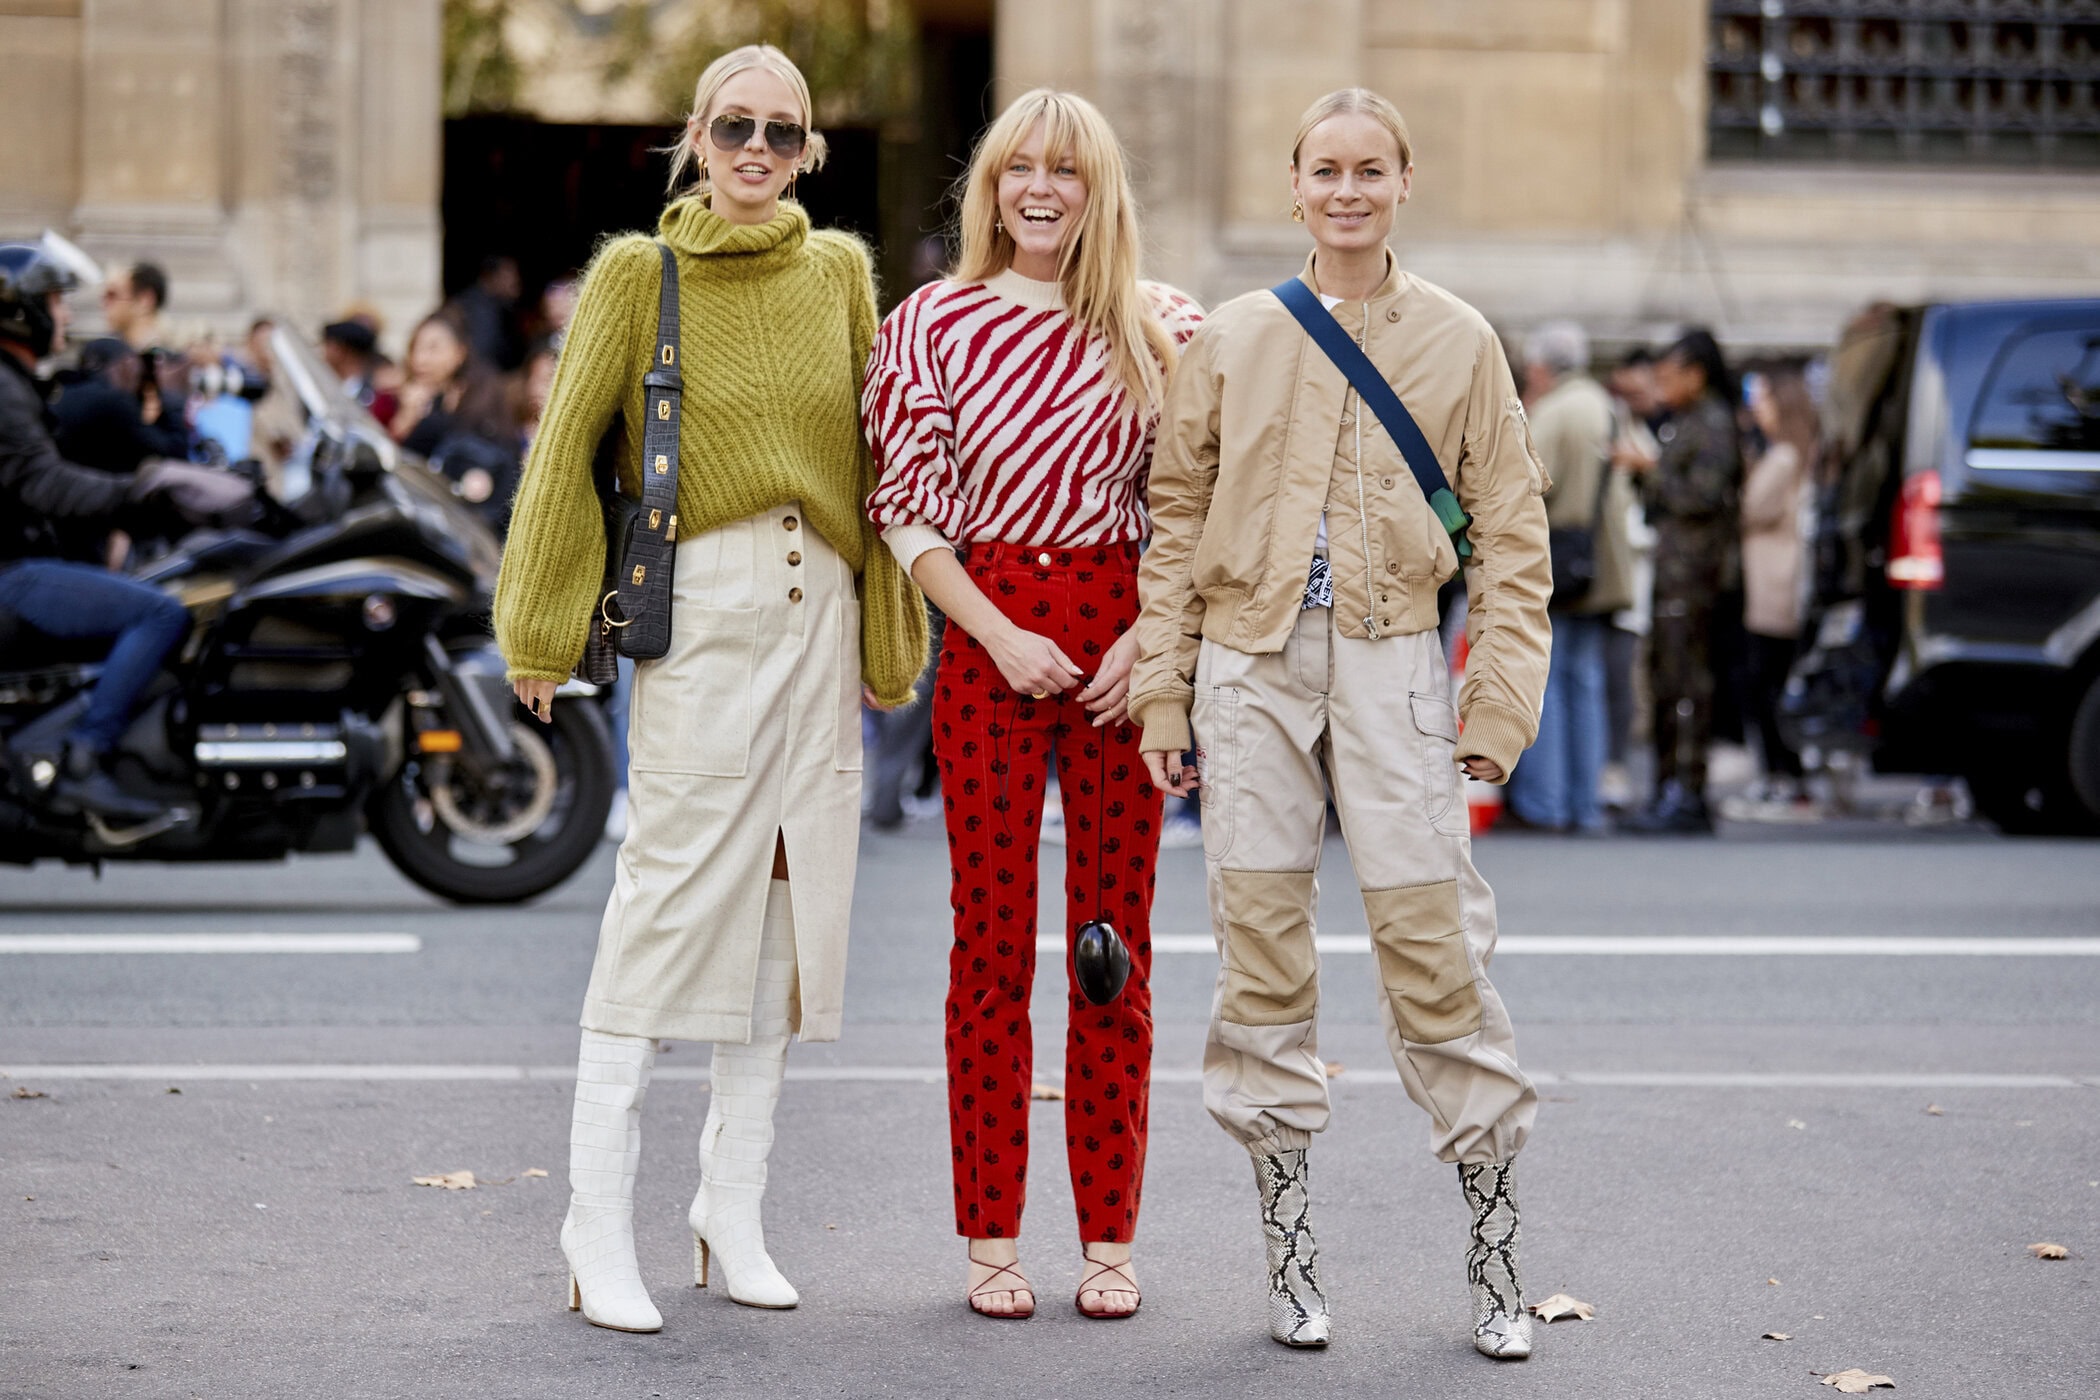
744 747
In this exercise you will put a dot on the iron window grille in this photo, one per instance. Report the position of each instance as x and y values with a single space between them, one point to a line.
1941 82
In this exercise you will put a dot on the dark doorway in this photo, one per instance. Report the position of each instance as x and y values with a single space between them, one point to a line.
546 194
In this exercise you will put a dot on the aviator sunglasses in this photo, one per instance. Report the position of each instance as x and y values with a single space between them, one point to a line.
730 132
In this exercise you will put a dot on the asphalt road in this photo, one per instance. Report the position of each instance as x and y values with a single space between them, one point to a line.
1716 1121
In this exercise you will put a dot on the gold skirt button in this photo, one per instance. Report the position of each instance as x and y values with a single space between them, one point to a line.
790 523
794 595
794 556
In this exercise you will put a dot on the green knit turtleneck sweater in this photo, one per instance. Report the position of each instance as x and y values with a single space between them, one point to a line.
775 323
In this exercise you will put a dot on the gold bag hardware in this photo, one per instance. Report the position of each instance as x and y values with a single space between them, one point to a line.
663 464
639 573
663 410
672 533
656 519
670 354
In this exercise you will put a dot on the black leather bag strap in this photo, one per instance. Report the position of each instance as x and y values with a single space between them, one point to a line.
652 543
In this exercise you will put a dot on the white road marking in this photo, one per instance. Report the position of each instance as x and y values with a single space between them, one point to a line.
153 943
935 1074
1718 946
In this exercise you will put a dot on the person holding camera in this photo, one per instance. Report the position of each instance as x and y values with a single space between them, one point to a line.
40 488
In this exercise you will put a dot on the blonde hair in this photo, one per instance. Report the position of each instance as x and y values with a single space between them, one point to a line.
1098 269
712 79
1361 102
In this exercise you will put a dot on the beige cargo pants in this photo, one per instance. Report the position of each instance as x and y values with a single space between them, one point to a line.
1374 719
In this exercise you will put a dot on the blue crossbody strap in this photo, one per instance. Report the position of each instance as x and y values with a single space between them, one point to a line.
1378 396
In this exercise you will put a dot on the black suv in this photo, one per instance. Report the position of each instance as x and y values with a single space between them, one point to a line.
1956 578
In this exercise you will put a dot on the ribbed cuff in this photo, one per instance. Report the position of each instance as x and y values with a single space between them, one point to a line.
908 542
1494 733
1166 725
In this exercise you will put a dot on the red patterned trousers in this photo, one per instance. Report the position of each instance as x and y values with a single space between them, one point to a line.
994 747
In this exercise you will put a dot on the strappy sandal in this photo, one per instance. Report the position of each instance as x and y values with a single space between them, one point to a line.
1086 1286
985 1288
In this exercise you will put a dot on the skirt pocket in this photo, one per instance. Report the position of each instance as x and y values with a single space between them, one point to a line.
846 748
693 707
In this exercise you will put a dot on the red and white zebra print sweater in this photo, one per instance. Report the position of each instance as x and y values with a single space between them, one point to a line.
994 416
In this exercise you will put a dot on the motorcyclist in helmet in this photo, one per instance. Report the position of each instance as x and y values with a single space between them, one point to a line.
39 486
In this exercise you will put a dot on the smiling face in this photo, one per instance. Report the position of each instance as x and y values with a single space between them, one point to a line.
747 182
1350 179
1041 199
436 354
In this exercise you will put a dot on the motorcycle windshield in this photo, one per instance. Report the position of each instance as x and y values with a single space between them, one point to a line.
428 497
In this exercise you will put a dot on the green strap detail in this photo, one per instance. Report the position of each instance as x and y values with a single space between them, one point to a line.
1454 518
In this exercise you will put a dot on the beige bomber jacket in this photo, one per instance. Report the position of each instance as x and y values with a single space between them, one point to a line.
1254 421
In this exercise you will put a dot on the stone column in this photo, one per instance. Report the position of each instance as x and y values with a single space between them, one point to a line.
1158 74
152 113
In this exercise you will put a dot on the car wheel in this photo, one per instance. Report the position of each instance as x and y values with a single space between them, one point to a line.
2085 750
2032 806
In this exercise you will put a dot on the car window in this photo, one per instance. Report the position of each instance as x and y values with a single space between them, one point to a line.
2043 396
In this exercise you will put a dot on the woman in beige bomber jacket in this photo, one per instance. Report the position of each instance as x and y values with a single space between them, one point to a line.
1300 677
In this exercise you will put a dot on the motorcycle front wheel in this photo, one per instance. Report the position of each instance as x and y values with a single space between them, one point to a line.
498 837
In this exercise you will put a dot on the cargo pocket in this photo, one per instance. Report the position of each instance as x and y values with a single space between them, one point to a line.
1214 718
846 755
1436 721
1422 961
692 709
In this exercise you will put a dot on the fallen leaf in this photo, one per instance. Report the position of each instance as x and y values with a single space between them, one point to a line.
533 1171
1773 1281
1853 1381
1045 1091
25 1092
1335 1069
1560 1305
2048 1251
1779 1336
1935 1110
831 1227
1795 1123
450 1181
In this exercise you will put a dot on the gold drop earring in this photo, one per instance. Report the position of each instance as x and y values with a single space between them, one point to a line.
1297 211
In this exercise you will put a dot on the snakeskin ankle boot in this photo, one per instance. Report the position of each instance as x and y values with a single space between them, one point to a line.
1297 1307
1501 1327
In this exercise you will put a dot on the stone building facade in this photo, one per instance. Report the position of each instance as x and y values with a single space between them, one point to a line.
286 154
1562 151
272 155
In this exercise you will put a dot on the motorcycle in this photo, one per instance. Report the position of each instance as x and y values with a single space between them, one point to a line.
338 678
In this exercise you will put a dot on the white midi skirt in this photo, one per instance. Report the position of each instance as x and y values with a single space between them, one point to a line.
747 727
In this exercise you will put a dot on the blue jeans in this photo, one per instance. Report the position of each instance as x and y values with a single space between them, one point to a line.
79 600
1555 784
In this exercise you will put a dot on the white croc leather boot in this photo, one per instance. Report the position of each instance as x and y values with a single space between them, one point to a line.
1297 1308
1501 1327
739 1132
605 1147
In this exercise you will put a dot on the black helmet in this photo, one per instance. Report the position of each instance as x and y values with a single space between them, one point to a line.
29 273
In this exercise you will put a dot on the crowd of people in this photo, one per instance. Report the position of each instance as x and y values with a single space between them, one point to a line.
1680 497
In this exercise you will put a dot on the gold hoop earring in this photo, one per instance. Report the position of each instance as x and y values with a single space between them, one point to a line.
1297 212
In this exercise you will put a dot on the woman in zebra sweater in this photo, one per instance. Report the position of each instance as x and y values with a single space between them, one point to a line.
1011 408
